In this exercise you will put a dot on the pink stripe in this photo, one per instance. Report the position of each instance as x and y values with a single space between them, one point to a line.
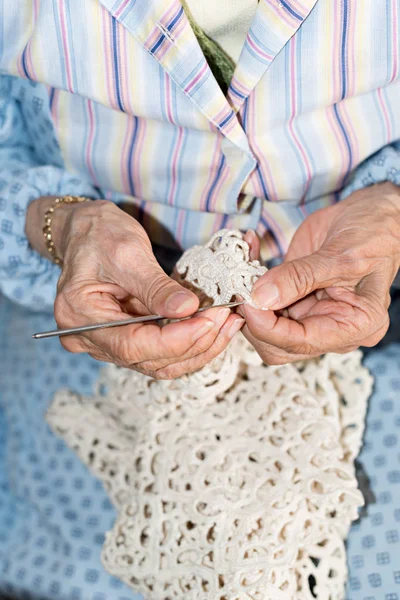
107 45
211 175
385 115
275 230
173 10
217 223
121 8
180 226
65 45
395 40
265 170
89 145
216 194
197 78
258 50
295 138
267 239
124 167
175 157
168 100
282 14
239 85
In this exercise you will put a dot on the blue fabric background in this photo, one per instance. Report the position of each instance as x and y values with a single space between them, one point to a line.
53 512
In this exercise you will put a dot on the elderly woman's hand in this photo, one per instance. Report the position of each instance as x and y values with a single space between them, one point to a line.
109 272
332 292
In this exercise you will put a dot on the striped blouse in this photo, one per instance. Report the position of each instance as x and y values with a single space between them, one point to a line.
114 99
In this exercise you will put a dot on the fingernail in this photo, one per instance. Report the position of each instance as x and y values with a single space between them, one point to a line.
266 295
202 329
221 316
235 327
179 302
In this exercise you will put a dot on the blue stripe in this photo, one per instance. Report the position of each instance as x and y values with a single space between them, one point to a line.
290 10
175 20
51 98
224 221
168 165
116 65
134 136
24 66
236 92
262 46
221 164
158 43
180 176
226 120
346 139
343 49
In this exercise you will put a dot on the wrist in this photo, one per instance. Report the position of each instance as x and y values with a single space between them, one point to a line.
61 220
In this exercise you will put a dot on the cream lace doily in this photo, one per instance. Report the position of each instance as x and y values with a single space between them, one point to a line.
236 482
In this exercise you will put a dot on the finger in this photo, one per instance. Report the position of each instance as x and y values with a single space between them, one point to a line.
133 344
271 355
187 366
301 309
254 243
331 325
291 281
218 316
155 290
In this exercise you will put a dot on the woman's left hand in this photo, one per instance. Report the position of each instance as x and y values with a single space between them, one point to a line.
332 293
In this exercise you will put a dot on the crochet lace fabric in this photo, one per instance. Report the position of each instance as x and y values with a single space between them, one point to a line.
236 482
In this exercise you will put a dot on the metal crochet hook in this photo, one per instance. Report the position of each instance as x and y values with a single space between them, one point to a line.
133 321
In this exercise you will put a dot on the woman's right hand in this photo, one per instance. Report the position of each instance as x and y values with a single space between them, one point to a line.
109 272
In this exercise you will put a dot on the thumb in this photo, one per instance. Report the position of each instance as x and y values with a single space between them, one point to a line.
293 280
159 293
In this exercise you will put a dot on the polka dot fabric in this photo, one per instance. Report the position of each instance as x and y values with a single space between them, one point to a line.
374 542
53 513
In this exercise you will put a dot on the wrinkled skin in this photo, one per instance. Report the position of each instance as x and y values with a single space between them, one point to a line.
110 272
332 293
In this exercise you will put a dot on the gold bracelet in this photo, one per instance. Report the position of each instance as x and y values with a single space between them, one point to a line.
48 218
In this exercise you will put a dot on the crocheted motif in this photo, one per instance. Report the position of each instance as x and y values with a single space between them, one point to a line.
234 483
220 270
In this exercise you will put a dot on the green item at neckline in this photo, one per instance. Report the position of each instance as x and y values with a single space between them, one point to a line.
220 63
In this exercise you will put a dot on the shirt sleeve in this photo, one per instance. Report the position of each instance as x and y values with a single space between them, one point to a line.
382 166
25 276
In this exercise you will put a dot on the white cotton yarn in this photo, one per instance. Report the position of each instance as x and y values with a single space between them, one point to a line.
236 482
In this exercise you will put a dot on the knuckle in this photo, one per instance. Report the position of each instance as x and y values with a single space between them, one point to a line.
204 343
302 276
61 310
157 285
122 252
